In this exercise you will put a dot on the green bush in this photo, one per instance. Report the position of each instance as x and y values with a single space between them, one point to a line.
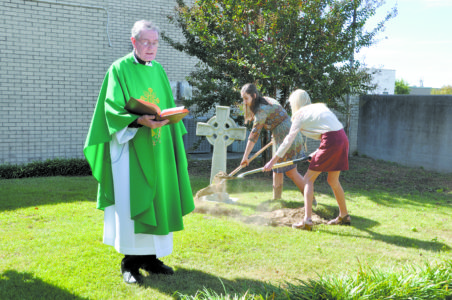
50 167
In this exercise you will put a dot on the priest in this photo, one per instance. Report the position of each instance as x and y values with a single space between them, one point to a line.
139 163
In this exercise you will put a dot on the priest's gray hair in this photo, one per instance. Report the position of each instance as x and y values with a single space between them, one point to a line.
143 25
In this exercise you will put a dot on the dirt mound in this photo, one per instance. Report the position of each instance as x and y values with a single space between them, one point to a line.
277 217
282 217
215 209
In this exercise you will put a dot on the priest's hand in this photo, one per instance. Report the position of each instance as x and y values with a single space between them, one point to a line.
148 121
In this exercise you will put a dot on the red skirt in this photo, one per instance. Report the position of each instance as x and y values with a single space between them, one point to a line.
332 154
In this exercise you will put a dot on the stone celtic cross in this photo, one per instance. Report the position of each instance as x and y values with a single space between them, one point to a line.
220 131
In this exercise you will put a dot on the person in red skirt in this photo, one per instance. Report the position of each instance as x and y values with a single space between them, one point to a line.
318 122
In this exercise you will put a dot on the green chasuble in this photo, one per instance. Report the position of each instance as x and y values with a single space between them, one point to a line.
160 191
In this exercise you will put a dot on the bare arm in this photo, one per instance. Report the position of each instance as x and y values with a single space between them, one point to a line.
268 166
248 149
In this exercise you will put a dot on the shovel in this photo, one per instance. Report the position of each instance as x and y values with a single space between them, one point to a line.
230 175
215 187
280 165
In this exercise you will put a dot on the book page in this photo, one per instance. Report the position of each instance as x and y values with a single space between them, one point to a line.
174 109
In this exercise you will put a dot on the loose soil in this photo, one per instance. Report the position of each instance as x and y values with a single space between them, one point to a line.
278 217
384 175
264 217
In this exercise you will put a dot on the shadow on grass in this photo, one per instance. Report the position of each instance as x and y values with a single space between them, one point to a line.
24 286
390 196
364 225
36 191
328 212
188 282
397 199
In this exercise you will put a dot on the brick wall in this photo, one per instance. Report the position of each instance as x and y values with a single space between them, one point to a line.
53 57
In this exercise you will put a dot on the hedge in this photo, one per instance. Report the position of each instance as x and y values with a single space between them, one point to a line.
50 167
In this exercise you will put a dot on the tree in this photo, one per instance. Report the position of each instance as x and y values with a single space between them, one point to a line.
401 87
280 45
445 90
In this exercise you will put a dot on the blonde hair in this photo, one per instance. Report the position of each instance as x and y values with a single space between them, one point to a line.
298 99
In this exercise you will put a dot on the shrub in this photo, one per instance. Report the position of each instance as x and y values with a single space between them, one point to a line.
50 167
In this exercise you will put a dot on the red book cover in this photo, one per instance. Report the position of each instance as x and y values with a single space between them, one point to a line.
140 107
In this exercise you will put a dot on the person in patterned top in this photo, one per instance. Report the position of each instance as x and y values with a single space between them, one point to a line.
266 113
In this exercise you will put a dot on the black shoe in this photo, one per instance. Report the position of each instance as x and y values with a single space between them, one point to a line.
130 270
151 264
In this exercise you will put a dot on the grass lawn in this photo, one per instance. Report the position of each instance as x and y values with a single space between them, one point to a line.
51 236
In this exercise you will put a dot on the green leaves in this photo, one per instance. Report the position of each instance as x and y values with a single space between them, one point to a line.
279 45
401 87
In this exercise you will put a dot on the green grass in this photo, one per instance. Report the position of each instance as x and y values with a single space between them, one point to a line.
400 241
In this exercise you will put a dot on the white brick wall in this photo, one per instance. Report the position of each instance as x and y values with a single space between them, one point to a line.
53 58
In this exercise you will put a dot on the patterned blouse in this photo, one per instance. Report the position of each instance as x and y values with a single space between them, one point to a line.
274 117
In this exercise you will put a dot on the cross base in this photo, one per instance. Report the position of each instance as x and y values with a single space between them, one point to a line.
219 197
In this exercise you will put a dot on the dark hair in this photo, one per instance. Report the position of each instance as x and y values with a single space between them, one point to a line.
258 100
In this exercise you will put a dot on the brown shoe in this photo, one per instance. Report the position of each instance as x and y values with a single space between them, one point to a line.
345 220
303 226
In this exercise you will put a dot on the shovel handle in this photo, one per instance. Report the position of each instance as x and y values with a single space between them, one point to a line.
253 157
280 165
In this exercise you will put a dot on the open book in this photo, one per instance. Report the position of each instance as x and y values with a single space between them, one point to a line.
140 107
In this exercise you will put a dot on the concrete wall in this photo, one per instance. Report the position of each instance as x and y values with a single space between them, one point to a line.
410 130
53 58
